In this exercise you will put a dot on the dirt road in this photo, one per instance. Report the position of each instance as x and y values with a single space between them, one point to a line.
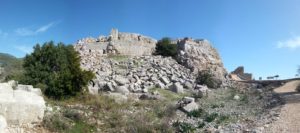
289 120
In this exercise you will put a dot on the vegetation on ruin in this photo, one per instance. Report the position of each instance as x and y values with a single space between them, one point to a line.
165 47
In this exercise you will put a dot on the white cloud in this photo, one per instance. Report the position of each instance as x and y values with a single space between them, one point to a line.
3 34
31 32
291 43
24 49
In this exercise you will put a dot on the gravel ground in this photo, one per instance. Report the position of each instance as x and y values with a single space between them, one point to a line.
289 120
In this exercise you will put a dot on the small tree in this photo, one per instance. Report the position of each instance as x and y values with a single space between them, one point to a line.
55 68
164 47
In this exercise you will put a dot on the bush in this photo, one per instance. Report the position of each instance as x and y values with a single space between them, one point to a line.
164 47
57 69
205 77
184 127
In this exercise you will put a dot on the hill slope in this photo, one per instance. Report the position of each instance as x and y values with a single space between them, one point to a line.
10 66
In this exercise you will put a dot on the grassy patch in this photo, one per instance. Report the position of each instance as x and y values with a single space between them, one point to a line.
131 116
169 95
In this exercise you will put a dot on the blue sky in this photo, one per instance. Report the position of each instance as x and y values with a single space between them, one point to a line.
262 35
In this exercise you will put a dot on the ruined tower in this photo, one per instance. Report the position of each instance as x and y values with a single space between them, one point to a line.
114 34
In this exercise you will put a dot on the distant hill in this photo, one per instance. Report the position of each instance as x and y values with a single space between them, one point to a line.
11 66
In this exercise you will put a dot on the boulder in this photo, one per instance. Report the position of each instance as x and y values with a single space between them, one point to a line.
188 85
29 88
190 107
187 104
121 80
164 80
160 85
236 97
93 89
201 90
24 106
177 88
122 89
109 87
3 124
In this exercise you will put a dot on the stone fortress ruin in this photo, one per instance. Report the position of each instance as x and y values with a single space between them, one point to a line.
239 74
118 43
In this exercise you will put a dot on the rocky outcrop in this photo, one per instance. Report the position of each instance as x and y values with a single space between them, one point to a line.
21 105
3 124
118 43
199 55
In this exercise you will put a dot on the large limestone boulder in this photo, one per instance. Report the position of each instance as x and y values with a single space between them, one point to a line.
199 55
187 104
3 124
21 106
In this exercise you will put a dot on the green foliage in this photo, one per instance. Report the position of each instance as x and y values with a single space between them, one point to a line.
205 77
184 127
211 117
57 69
196 113
201 124
12 67
164 47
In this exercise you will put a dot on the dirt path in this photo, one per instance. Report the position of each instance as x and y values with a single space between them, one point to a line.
289 120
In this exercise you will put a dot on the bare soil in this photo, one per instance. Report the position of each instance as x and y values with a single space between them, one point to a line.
289 119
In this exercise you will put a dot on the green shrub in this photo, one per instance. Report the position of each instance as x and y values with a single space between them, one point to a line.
201 124
184 127
206 77
164 47
211 117
196 113
57 68
223 119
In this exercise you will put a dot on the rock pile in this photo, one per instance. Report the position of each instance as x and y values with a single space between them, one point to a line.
20 104
138 74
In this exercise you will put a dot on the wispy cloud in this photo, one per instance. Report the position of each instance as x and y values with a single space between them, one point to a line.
24 49
31 31
291 43
3 34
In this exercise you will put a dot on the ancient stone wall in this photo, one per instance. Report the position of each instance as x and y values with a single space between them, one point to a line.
239 71
118 43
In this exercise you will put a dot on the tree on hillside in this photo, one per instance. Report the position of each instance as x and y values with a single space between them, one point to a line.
55 69
165 47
